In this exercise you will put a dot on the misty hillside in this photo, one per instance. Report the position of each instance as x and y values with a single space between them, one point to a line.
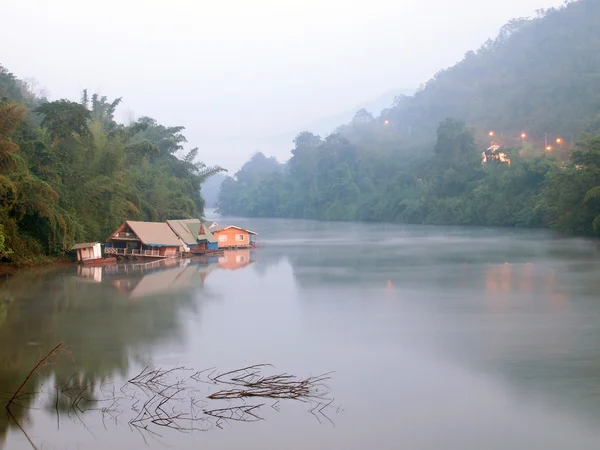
423 161
327 125
279 144
540 75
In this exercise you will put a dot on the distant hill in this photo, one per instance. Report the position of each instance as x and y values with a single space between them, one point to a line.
420 160
540 75
327 125
280 144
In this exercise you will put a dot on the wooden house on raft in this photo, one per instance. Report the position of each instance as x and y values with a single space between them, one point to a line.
194 235
88 251
232 236
209 238
143 239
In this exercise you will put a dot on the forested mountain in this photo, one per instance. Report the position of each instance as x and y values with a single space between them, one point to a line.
69 172
540 75
537 86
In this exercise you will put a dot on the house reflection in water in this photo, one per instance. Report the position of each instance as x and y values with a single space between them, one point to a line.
90 273
236 259
164 276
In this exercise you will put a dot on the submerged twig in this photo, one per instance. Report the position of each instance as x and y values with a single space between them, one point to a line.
42 362
173 399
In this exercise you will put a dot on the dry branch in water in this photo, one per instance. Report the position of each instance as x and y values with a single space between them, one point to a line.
249 382
172 398
47 360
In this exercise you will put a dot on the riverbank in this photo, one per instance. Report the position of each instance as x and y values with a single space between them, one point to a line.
7 270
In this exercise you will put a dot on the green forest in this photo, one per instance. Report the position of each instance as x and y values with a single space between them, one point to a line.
70 173
533 92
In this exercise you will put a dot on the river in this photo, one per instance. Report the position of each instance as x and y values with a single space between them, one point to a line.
436 337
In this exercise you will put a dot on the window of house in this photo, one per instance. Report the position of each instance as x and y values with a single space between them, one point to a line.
223 238
239 237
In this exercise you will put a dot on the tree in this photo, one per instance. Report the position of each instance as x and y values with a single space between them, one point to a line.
62 118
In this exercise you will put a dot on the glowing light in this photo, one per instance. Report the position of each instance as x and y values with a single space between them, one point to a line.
491 133
558 140
548 149
386 122
503 158
490 154
523 135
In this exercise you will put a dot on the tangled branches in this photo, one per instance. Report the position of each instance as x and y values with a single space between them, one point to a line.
179 398
249 382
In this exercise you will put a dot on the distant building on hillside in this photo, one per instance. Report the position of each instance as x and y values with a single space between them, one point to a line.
493 153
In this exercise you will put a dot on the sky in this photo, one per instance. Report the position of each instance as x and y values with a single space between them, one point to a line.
243 75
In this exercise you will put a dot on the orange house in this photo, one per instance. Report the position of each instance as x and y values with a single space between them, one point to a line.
234 237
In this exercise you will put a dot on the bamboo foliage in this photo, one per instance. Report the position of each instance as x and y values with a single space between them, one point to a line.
70 172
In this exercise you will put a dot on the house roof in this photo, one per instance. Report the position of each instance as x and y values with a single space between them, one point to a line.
233 226
84 245
207 236
194 228
189 231
183 229
154 233
210 223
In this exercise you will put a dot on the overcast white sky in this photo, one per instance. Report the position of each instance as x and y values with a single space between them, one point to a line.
236 72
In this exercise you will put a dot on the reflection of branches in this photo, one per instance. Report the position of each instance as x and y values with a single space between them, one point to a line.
244 413
171 399
47 360
10 415
319 408
155 380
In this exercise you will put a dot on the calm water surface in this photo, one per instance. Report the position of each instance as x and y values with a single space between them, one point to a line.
440 338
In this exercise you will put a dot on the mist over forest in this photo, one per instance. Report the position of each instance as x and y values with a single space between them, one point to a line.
508 137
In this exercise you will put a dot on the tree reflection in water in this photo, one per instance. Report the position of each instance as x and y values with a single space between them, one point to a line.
105 329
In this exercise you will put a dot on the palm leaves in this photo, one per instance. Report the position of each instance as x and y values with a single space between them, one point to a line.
592 194
54 192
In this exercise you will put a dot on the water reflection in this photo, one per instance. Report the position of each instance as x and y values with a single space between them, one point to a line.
522 310
104 331
236 259
499 325
90 310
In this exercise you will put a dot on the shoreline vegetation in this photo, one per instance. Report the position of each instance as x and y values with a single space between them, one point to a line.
512 148
70 173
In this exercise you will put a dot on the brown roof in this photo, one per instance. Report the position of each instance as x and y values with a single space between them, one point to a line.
154 233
